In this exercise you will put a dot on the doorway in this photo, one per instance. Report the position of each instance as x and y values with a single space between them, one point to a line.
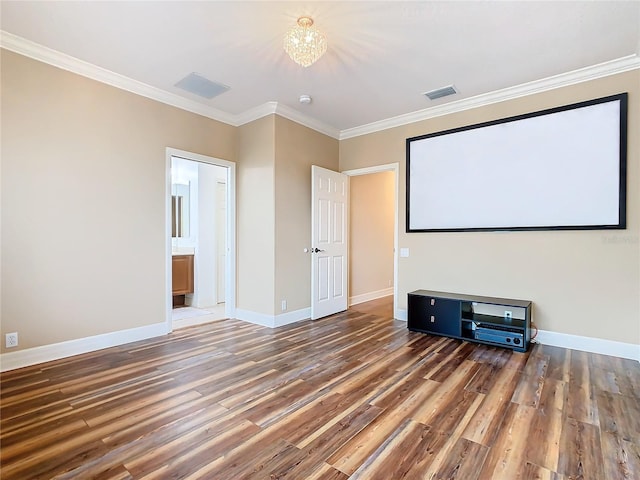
373 265
200 273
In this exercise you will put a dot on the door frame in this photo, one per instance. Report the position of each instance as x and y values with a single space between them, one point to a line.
395 168
230 261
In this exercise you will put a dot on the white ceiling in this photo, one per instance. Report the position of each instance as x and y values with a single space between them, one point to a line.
381 56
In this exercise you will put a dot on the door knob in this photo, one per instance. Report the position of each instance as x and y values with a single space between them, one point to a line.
316 250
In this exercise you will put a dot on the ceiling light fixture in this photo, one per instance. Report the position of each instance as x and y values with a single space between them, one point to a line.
304 43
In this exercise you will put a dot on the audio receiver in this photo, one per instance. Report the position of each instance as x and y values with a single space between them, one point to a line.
498 336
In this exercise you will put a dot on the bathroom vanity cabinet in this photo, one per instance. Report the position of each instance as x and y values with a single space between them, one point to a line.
182 277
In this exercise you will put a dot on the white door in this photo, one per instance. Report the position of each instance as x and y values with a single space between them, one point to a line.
329 200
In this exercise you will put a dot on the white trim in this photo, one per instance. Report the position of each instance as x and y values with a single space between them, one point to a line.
168 265
575 342
56 351
312 123
271 108
292 317
256 113
273 321
49 56
620 65
387 167
367 297
395 168
230 267
255 317
589 344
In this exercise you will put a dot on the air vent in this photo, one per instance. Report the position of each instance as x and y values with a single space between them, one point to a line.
440 92
203 87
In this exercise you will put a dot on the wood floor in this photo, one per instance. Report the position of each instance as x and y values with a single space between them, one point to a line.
353 396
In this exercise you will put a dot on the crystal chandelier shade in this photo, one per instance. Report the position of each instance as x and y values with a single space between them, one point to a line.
304 43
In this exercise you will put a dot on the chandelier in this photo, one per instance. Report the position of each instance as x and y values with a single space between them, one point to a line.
304 43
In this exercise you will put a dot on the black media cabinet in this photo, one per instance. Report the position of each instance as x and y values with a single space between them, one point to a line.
493 321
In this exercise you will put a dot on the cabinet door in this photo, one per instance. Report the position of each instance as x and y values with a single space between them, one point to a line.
434 314
182 274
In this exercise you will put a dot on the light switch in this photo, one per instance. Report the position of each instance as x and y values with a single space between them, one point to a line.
404 252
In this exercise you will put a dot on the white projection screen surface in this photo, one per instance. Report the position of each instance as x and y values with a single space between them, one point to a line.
563 168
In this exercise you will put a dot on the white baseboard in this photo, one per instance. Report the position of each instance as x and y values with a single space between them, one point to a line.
574 342
589 344
293 317
47 353
273 320
255 318
366 297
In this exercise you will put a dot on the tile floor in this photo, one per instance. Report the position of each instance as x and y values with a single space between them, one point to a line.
189 316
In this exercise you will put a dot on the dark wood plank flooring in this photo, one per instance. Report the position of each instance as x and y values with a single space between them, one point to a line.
352 396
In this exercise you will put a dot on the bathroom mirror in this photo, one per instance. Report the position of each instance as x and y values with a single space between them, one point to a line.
179 210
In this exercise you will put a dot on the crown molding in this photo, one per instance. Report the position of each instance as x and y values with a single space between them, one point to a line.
44 54
312 123
256 113
270 108
620 65
47 55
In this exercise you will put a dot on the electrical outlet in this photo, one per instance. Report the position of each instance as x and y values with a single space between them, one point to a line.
11 340
284 305
508 314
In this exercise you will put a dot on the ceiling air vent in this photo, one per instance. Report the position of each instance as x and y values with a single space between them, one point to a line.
203 87
440 92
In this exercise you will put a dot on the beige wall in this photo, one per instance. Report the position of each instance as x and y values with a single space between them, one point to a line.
83 201
297 148
274 212
83 219
256 216
371 219
82 194
581 282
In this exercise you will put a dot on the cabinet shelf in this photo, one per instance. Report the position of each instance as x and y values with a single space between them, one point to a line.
472 318
494 320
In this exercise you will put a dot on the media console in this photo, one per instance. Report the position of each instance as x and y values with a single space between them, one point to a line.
490 320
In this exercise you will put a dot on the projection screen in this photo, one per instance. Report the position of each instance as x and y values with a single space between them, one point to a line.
562 168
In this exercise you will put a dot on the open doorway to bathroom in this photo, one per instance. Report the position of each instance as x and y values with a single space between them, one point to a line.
199 217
